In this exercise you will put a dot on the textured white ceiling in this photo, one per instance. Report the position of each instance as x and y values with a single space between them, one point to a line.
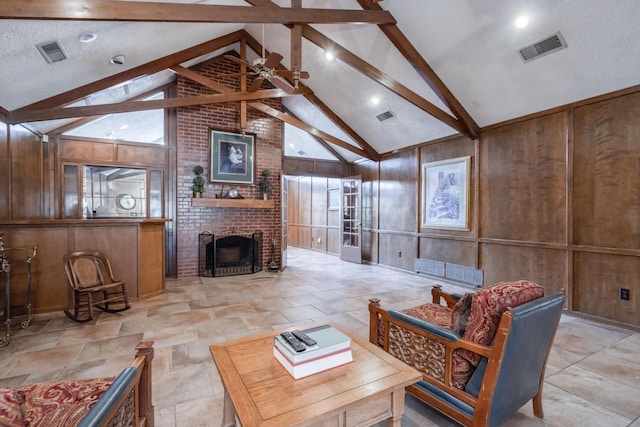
471 45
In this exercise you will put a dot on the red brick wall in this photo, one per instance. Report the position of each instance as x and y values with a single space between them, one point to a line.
194 124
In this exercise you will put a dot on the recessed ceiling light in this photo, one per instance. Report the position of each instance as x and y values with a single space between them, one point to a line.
291 145
88 37
522 21
375 100
329 55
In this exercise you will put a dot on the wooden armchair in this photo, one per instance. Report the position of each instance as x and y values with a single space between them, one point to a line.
89 273
484 374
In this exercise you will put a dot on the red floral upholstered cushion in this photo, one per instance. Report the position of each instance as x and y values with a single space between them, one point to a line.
433 313
487 307
62 403
11 402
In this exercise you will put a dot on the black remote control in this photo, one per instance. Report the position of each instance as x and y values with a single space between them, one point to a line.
294 342
304 338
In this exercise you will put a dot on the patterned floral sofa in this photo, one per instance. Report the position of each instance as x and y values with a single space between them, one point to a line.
124 400
461 347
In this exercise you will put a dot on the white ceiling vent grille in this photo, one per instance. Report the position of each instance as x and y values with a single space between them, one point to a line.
543 47
385 116
52 52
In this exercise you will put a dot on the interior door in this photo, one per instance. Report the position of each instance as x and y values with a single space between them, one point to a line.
351 249
285 213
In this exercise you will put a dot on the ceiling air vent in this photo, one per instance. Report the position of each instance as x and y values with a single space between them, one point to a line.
543 47
385 116
52 52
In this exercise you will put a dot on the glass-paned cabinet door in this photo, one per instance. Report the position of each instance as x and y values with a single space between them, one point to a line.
112 191
71 197
155 194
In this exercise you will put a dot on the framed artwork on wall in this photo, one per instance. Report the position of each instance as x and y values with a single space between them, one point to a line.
232 157
445 194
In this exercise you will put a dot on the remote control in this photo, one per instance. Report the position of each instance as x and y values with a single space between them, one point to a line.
304 338
294 342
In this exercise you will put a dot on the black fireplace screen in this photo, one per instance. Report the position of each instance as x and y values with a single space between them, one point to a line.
230 253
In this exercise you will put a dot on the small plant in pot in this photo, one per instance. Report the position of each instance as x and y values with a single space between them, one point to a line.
198 181
263 185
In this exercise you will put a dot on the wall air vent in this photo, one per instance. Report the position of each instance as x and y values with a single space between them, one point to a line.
52 52
385 116
543 47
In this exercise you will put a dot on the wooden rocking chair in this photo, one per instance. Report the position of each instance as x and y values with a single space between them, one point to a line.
89 273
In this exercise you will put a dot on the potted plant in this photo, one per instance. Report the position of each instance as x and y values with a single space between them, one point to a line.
263 185
198 181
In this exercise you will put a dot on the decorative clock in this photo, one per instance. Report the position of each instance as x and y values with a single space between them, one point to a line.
232 194
126 201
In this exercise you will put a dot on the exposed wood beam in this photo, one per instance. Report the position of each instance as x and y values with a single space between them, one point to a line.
190 74
336 120
125 107
148 68
320 141
243 83
373 73
423 69
305 127
380 77
110 10
372 153
84 120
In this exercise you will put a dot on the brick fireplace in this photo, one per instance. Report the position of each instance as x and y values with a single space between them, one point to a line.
193 127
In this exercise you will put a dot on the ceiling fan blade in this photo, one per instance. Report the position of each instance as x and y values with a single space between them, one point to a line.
273 60
255 85
238 60
281 84
289 74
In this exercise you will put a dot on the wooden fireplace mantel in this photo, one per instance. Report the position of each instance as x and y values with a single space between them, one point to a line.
233 203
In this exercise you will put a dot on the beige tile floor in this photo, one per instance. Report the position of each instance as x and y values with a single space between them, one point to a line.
593 376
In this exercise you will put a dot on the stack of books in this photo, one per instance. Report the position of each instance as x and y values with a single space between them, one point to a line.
332 348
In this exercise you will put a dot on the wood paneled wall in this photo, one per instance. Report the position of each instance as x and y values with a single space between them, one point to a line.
312 223
555 198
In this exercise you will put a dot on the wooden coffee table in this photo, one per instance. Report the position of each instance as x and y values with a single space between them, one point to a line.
260 392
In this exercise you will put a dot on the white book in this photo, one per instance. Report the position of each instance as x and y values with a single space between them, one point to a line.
329 340
304 369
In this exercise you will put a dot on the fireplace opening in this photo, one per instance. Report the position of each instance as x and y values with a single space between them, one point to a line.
229 253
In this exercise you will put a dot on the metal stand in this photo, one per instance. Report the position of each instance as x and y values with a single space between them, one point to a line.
5 267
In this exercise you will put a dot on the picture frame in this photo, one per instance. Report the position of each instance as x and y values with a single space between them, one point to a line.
445 194
232 157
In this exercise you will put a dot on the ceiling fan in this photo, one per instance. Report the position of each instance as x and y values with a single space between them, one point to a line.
265 69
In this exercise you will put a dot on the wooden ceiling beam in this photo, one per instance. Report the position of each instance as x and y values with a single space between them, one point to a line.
126 107
423 69
310 129
373 73
110 10
313 98
206 82
145 69
380 77
320 141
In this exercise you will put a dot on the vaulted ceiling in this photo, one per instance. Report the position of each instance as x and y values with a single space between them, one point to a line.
436 67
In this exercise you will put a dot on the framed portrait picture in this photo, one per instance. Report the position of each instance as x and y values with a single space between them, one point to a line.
445 193
232 157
